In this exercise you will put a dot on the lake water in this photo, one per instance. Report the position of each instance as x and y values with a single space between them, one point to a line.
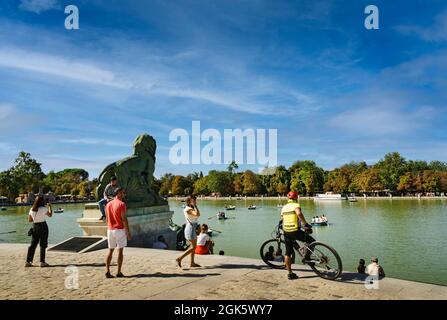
408 236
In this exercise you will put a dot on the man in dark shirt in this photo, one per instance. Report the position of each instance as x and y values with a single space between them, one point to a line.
109 194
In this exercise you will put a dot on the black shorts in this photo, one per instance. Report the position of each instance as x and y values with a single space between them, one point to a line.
291 237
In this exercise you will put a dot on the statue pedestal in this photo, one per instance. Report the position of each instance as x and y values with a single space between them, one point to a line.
145 224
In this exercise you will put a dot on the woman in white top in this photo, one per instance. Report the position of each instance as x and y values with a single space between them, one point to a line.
192 214
39 231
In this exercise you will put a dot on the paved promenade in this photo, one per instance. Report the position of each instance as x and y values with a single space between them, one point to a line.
153 274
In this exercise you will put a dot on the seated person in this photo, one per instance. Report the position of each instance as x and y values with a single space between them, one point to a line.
278 256
361 267
269 254
160 243
374 269
109 194
204 243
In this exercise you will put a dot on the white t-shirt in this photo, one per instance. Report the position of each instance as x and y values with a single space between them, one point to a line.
372 269
40 215
202 238
191 218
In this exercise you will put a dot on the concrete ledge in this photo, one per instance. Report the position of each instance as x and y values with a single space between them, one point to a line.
153 274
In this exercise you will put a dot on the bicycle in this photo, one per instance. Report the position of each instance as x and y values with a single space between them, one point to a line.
323 259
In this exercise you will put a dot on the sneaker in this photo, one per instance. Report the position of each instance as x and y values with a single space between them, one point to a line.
44 265
28 264
108 275
102 218
120 275
292 276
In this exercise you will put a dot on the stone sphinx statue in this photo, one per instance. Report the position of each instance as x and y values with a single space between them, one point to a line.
135 174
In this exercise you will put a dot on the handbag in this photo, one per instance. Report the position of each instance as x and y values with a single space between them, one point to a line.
30 232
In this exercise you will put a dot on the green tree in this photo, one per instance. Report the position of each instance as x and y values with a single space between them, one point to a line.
391 167
220 182
232 166
201 186
9 186
179 184
251 183
306 177
279 182
27 172
437 166
369 180
406 183
166 184
431 181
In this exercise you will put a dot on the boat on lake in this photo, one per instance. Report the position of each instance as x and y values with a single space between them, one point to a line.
352 199
319 221
330 196
221 216
2 209
251 207
58 210
230 207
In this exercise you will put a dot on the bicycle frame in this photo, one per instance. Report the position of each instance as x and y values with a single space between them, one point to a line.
296 245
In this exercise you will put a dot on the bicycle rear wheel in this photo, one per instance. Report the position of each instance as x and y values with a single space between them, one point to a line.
274 248
325 261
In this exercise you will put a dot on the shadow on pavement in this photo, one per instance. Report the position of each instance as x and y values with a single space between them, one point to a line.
172 275
237 266
78 265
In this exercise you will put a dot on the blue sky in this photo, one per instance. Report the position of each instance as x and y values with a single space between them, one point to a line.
335 91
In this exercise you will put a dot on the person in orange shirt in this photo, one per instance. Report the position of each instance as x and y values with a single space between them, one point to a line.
117 230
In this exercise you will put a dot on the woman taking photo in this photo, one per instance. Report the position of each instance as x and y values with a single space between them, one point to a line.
39 231
192 214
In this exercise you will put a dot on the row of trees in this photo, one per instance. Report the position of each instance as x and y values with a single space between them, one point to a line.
392 174
26 175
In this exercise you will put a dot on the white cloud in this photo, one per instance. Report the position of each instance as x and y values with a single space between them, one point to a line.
94 141
437 32
60 67
381 120
38 6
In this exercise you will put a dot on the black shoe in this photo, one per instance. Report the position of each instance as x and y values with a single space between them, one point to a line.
120 275
108 275
102 218
292 276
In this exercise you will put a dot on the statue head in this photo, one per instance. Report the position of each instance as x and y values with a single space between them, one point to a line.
144 144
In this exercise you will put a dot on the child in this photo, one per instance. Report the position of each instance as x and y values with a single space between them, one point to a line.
278 256
204 242
361 267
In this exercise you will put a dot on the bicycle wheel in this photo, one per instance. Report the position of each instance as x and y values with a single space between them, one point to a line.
325 261
272 248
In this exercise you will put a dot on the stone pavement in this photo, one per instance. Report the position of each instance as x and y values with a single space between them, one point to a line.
153 274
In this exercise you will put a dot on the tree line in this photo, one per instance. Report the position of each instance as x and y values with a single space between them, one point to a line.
26 175
393 173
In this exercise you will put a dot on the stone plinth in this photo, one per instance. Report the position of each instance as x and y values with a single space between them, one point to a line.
145 224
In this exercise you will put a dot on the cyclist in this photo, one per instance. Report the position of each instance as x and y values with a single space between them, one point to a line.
292 220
